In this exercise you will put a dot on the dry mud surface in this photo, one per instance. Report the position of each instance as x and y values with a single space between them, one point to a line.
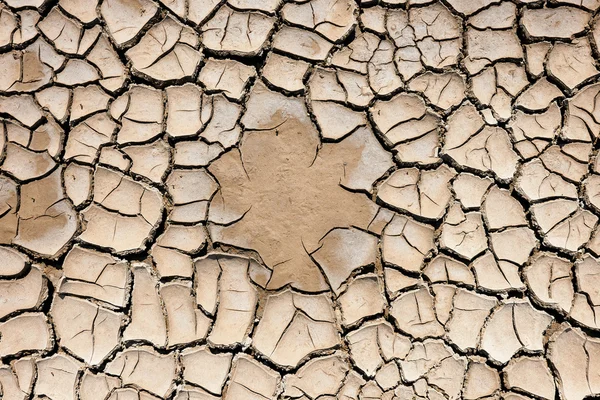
310 199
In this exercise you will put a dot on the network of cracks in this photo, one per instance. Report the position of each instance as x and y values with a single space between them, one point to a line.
310 199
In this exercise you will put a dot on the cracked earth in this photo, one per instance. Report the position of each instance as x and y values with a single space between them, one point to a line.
299 199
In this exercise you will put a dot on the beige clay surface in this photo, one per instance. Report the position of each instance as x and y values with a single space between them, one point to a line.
299 199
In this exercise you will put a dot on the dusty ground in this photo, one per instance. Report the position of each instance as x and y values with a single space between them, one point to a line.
267 199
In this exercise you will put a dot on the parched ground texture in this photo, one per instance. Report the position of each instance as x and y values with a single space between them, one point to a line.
310 199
